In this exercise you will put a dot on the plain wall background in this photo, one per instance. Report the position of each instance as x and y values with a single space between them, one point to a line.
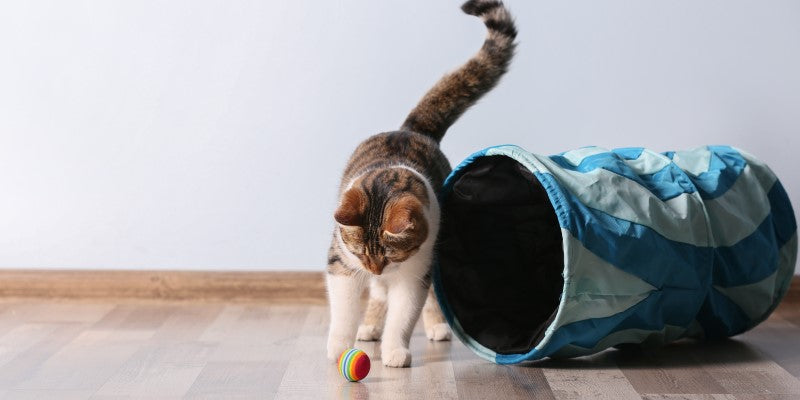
211 134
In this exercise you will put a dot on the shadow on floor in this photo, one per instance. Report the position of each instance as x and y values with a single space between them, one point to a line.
681 354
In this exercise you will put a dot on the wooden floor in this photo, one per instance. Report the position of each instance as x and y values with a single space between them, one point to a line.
139 349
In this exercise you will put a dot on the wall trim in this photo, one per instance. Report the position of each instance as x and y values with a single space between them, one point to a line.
306 287
284 286
793 294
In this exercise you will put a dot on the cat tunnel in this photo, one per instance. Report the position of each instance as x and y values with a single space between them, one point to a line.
567 255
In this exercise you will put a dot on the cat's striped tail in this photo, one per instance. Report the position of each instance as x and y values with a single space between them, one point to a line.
460 89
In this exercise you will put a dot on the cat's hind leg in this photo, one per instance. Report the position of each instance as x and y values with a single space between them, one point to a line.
372 326
432 318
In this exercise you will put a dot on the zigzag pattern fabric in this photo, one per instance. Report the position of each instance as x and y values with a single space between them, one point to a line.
657 246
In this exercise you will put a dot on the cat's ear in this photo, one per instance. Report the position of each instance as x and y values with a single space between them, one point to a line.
352 207
404 216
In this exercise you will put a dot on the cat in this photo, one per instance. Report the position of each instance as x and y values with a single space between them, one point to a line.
387 219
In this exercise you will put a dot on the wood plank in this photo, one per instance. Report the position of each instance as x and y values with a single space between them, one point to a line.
21 338
684 396
46 394
159 370
591 377
277 327
299 287
135 317
237 380
84 364
778 340
741 369
670 369
26 363
477 378
793 294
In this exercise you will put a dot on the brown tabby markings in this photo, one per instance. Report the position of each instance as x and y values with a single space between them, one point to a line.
380 216
335 264
459 90
413 150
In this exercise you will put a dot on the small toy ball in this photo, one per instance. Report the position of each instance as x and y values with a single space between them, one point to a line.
354 365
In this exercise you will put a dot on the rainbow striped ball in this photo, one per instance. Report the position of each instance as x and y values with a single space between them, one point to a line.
354 365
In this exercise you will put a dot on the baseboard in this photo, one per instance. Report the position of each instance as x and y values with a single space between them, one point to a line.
305 287
793 295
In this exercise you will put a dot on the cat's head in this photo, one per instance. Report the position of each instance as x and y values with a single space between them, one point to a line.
382 218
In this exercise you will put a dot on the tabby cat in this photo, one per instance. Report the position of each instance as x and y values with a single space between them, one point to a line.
388 216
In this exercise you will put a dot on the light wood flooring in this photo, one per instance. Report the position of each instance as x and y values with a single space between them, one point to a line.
160 349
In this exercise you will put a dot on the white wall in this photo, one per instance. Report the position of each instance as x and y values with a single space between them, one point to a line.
211 134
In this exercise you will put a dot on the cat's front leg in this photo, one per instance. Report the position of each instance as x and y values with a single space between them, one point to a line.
344 297
405 300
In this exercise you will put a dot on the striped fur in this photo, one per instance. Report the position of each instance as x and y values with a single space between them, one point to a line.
460 89
388 214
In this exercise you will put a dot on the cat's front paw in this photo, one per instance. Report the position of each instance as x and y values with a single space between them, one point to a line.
397 358
438 332
368 333
337 346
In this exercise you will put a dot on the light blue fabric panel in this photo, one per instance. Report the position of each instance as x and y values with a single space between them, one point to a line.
657 246
595 288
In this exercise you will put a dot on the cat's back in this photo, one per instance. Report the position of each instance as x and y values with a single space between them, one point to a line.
412 149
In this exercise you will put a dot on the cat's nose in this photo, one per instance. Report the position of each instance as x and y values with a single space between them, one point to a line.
375 264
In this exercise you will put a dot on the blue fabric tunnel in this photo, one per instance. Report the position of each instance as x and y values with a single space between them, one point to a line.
567 255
